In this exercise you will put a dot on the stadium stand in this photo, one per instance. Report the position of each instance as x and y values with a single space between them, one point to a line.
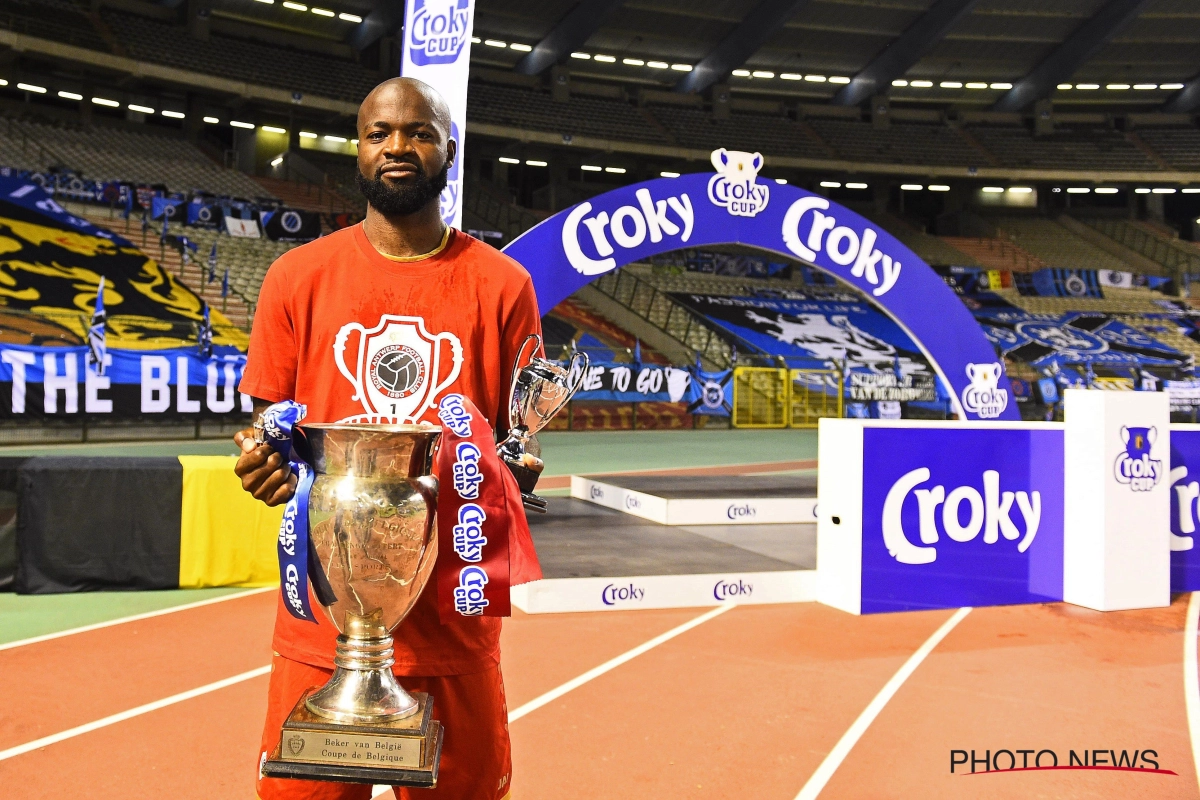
765 133
267 64
1070 147
901 143
932 249
1178 146
103 153
1150 241
307 196
995 253
59 20
579 116
1056 246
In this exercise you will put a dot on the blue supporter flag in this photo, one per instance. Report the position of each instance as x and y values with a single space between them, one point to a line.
97 343
637 352
164 207
186 248
204 336
212 263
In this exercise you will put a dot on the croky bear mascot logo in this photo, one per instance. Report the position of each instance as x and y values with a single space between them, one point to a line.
1134 466
399 370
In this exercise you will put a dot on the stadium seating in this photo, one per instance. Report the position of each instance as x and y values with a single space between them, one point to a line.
256 62
1055 246
1073 147
580 116
1178 146
901 143
765 133
103 153
59 20
931 249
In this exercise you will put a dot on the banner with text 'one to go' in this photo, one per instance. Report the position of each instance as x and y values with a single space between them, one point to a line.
437 50
59 383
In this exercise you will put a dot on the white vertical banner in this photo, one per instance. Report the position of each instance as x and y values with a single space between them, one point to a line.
437 50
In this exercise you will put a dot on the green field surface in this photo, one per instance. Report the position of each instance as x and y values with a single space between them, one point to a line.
26 616
565 453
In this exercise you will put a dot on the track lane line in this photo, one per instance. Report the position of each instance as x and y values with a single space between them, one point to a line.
134 618
850 738
113 719
1191 677
596 672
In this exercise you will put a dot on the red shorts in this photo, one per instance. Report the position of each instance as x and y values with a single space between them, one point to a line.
476 756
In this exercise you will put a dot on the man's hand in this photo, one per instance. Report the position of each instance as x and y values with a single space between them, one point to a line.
263 471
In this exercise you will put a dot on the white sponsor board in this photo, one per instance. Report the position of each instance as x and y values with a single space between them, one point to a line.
554 595
696 511
437 50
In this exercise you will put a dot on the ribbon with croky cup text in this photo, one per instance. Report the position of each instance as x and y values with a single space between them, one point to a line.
479 516
278 424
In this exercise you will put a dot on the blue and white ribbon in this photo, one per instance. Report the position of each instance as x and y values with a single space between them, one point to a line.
277 424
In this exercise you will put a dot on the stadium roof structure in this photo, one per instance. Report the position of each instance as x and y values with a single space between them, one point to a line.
1006 54
807 81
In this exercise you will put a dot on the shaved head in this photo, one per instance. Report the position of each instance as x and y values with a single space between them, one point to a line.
405 92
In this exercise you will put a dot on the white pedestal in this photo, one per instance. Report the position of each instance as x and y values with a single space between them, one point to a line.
1116 549
839 513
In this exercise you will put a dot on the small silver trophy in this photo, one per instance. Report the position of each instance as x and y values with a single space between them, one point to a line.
538 391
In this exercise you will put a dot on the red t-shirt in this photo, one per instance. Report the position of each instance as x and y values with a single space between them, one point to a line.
358 337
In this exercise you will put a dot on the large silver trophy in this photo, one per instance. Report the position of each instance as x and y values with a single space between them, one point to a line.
372 515
371 518
537 392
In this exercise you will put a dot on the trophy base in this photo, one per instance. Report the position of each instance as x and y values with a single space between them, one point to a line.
526 481
401 753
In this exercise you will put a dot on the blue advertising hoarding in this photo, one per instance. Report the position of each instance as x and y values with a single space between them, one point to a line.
731 206
965 517
1185 508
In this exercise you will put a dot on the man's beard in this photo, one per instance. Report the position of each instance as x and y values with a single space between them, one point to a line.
402 200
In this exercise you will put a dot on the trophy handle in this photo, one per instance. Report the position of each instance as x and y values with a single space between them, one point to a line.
583 368
339 356
512 381
582 373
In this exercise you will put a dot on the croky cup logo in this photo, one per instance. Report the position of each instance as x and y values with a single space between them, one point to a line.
734 185
399 369
984 397
439 31
1135 467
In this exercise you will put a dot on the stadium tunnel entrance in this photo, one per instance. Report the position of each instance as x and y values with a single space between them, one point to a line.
634 223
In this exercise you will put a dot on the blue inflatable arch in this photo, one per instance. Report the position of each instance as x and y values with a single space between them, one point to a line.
633 223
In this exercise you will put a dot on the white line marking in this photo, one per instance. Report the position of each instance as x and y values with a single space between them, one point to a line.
131 713
134 618
839 752
596 672
1191 676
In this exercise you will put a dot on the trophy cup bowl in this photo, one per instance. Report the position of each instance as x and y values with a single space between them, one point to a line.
537 392
372 529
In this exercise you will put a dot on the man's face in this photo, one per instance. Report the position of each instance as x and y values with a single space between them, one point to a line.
403 151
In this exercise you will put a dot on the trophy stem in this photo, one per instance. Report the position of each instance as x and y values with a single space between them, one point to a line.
363 688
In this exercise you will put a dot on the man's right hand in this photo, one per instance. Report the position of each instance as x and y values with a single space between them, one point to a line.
263 471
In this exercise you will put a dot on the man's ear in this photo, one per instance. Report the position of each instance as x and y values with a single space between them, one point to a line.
451 151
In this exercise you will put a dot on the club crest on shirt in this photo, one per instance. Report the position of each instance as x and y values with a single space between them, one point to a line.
399 368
